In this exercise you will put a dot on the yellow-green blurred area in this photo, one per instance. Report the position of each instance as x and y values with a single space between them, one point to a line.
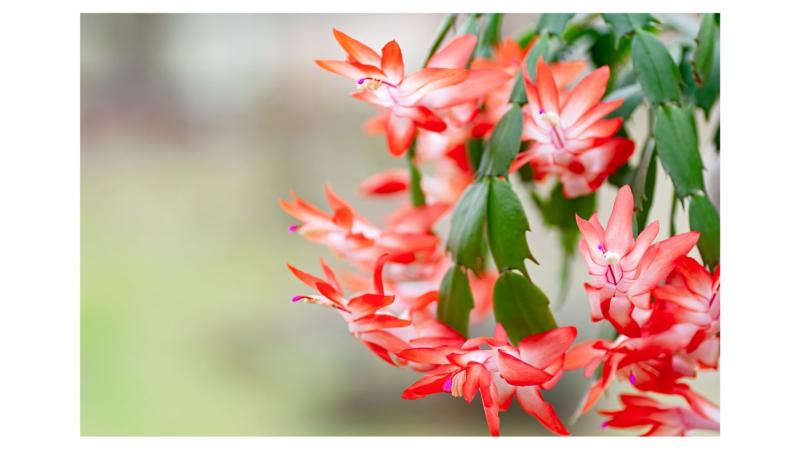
192 127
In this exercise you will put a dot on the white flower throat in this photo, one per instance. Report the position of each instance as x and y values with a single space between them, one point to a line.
556 132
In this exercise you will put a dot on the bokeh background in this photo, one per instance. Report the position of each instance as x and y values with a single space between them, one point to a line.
192 126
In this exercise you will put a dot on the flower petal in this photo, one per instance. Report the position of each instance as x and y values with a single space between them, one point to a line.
356 49
415 86
619 232
584 354
660 259
429 384
592 396
601 129
643 241
455 54
565 72
593 115
392 62
682 297
695 276
546 87
399 134
540 350
518 372
366 304
344 69
619 311
586 94
532 402
475 85
426 355
386 183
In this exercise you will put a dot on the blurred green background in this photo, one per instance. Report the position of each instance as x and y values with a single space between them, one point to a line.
192 126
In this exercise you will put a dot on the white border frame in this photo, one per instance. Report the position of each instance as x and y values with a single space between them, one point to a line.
41 199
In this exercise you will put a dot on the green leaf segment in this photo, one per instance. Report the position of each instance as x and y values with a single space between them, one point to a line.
490 211
673 126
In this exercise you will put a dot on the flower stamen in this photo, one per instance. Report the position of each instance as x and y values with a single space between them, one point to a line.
372 83
612 257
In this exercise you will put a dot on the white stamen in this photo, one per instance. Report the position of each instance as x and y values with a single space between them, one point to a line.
368 83
457 384
551 118
612 257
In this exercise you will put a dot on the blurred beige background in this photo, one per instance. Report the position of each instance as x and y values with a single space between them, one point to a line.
192 127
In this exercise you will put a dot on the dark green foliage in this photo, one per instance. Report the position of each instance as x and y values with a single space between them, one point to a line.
455 300
521 307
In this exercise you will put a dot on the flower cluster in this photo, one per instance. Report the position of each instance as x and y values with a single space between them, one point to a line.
442 106
666 309
664 305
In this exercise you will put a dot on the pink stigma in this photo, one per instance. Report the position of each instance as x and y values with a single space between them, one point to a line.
541 110
601 247
604 424
297 298
448 385
293 228
632 379
361 80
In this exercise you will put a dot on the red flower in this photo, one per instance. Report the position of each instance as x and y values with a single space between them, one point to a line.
691 295
652 363
625 271
663 420
360 242
680 336
509 57
366 315
570 136
410 100
498 371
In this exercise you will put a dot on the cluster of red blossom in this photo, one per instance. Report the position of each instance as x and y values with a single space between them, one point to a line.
388 299
665 307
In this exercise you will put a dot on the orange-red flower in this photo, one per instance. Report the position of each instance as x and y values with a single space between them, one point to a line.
410 100
663 420
510 56
354 238
498 371
366 314
570 136
651 363
691 296
680 336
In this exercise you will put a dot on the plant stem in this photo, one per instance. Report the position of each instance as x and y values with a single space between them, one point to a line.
444 27
672 211
415 177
